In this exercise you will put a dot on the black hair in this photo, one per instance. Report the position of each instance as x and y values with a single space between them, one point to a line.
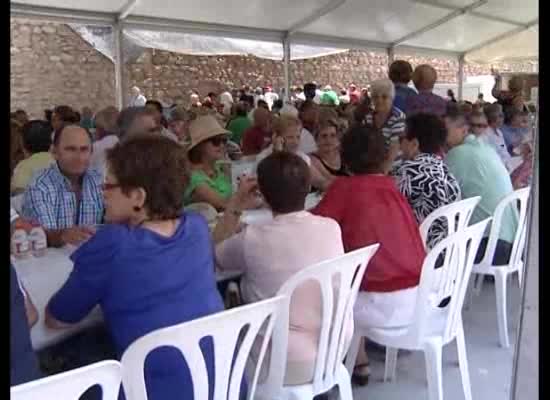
363 150
284 180
429 130
154 103
37 136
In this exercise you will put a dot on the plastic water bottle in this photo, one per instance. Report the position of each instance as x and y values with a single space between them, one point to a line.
38 241
20 244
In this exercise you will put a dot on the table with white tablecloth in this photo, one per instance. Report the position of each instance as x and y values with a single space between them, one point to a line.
262 215
42 277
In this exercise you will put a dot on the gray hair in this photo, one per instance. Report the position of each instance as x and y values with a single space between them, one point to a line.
381 87
492 112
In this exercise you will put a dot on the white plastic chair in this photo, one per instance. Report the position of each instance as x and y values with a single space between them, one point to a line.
72 384
457 215
227 329
339 280
433 326
485 267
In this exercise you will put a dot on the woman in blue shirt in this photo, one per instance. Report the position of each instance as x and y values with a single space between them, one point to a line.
152 267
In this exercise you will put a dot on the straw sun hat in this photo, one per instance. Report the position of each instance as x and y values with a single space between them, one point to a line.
204 128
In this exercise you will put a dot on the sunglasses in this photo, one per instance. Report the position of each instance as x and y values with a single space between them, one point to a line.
218 140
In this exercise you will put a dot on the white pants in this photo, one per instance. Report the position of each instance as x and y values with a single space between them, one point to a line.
385 309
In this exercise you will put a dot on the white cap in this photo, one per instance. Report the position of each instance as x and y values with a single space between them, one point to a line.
289 110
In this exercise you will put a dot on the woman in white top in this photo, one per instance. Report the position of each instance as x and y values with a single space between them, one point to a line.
271 253
287 131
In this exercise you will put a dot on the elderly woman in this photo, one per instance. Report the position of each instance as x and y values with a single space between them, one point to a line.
208 181
424 78
287 131
151 267
386 118
327 159
370 210
511 99
269 255
423 178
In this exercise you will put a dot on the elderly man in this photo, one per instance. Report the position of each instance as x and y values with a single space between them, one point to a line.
106 136
66 198
481 172
494 136
424 78
401 74
135 121
257 137
137 99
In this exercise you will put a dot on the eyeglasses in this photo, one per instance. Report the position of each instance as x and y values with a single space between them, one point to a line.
478 125
218 140
109 186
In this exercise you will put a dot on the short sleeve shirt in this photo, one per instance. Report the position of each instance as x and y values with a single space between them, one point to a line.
428 185
480 172
394 125
220 183
50 200
143 282
369 210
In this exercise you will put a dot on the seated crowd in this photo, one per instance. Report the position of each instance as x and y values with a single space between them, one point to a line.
116 186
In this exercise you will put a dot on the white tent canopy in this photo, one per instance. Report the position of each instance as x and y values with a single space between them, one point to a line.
479 30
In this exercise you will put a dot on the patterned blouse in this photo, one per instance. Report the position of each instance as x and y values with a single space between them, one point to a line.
428 185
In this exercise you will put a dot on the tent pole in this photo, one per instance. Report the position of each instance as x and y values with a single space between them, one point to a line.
286 66
391 56
460 76
119 66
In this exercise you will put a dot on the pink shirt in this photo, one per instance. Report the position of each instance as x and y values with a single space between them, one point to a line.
271 253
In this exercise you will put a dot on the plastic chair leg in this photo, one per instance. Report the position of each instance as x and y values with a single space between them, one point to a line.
433 350
502 314
470 292
391 364
463 363
479 283
353 351
344 389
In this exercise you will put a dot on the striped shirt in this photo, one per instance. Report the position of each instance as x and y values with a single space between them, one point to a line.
51 201
394 125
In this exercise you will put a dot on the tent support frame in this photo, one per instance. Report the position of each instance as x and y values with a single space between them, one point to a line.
119 66
460 77
455 14
286 66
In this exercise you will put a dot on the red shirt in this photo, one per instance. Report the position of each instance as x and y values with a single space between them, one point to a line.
254 141
370 209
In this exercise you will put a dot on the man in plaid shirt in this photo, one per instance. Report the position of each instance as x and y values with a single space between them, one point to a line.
66 198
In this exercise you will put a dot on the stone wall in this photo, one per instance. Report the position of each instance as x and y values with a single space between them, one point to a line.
51 65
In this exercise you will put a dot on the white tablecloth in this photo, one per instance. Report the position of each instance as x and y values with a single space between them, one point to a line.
42 277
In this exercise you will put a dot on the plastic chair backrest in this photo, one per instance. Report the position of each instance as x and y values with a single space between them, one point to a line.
516 201
457 216
227 329
450 280
72 384
344 273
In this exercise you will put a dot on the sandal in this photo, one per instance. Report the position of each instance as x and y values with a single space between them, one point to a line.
361 374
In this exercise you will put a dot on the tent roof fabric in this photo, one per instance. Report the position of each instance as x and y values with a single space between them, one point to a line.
480 30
